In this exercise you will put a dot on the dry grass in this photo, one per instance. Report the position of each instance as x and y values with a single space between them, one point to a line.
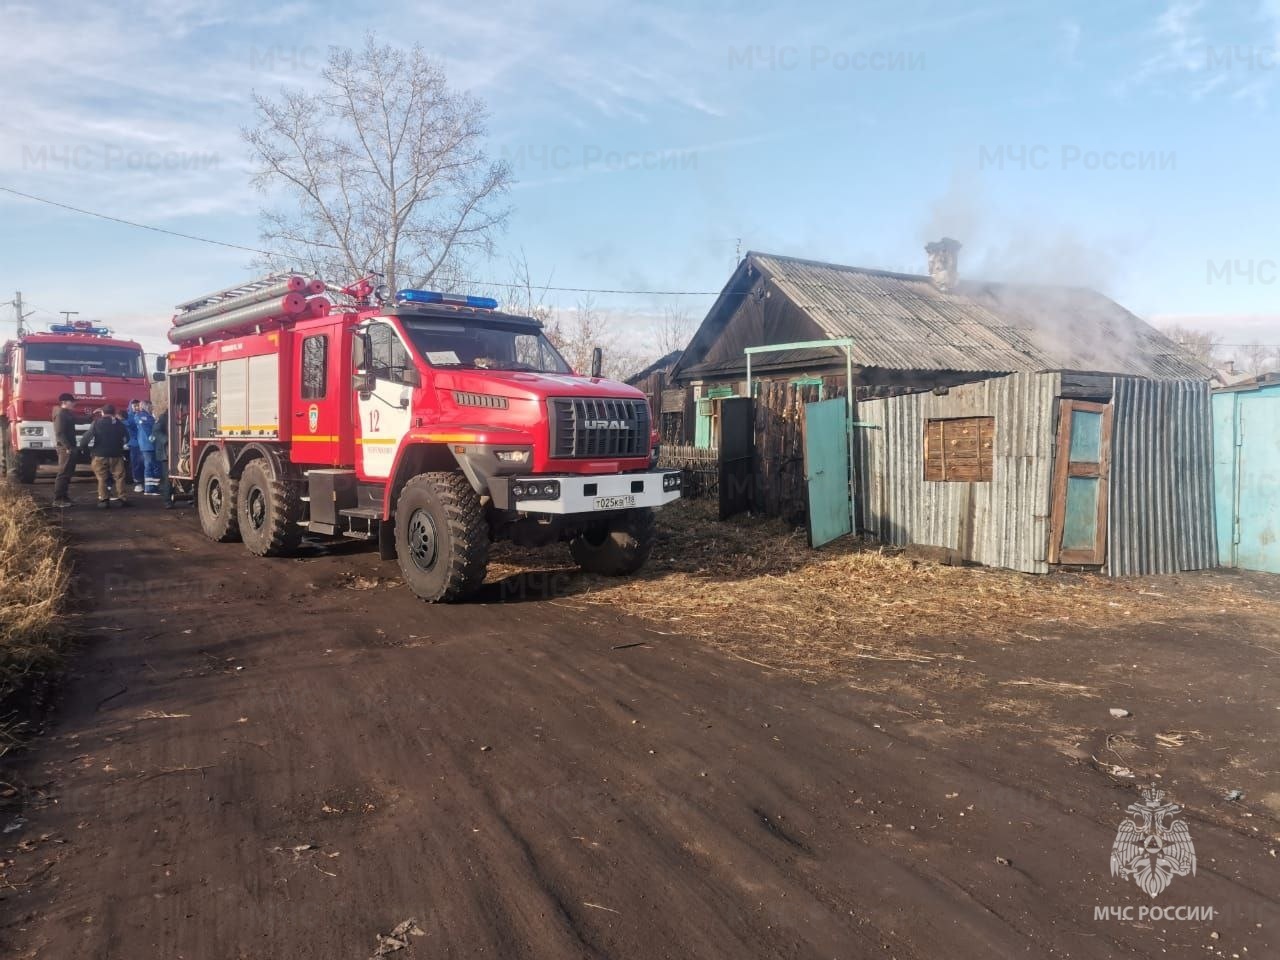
34 579
754 586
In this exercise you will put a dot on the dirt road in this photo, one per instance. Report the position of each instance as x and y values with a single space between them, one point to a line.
285 758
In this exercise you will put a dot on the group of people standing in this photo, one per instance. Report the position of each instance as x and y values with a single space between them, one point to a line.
125 447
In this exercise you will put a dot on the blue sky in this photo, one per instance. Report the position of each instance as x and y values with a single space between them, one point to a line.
1128 146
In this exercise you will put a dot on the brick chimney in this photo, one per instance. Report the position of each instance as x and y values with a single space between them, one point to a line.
944 257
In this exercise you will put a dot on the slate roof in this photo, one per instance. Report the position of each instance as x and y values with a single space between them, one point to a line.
905 322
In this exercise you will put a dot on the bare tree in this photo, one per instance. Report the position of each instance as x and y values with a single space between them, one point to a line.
583 333
527 298
1255 358
674 330
584 330
1201 344
384 170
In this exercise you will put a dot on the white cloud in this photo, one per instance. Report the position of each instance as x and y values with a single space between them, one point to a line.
1182 48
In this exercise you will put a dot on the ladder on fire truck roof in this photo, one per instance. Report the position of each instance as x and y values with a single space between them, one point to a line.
233 293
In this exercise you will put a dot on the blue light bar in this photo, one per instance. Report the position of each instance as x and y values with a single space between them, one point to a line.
435 296
70 328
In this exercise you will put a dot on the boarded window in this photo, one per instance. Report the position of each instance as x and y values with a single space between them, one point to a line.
959 451
315 353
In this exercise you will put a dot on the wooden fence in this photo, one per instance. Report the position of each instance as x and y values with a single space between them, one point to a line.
700 465
779 439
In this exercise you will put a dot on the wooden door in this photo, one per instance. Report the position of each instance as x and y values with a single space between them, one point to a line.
1081 482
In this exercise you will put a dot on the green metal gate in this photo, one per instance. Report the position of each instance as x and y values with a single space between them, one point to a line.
826 470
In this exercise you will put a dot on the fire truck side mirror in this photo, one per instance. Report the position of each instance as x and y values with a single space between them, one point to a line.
363 384
158 377
597 359
161 363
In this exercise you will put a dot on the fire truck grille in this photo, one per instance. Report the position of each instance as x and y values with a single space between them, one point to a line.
599 427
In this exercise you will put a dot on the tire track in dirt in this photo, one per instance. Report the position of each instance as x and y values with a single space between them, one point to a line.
661 800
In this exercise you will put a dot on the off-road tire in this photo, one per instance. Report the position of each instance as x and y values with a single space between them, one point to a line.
20 466
26 466
267 511
620 546
220 523
442 537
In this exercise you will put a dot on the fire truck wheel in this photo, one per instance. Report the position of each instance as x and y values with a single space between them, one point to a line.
442 538
267 510
216 501
19 466
619 547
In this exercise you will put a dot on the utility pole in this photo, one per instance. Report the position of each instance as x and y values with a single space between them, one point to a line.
17 307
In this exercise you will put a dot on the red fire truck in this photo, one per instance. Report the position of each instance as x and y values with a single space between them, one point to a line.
431 424
77 358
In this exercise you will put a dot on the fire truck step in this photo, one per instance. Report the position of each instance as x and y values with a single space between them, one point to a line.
361 522
363 513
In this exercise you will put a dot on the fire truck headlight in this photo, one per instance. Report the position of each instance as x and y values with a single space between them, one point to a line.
536 490
513 456
31 431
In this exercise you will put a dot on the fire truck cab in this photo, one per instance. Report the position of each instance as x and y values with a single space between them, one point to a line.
433 425
77 358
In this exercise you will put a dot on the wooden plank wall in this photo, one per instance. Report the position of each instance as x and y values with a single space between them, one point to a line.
779 457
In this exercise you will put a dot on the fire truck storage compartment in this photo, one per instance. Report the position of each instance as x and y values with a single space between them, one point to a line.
330 491
249 396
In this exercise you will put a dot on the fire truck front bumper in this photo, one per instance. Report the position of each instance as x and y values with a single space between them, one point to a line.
576 494
36 435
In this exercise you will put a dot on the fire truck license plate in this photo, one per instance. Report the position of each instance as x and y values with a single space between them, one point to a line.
615 503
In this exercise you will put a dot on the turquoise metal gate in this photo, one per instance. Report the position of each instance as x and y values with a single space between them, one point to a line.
826 470
1246 426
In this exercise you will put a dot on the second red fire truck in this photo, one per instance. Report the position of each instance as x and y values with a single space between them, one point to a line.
430 423
35 369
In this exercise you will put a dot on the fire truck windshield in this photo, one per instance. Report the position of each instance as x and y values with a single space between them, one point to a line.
82 359
484 346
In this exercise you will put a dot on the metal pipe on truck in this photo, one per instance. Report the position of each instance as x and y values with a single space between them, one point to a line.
318 307
285 287
287 306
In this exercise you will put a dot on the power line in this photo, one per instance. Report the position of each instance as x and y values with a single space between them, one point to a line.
456 281
267 253
130 223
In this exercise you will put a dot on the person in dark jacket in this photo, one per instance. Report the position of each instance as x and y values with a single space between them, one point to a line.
160 445
108 440
64 435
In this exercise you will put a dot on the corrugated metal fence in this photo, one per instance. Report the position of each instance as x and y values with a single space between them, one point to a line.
1161 507
1003 523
